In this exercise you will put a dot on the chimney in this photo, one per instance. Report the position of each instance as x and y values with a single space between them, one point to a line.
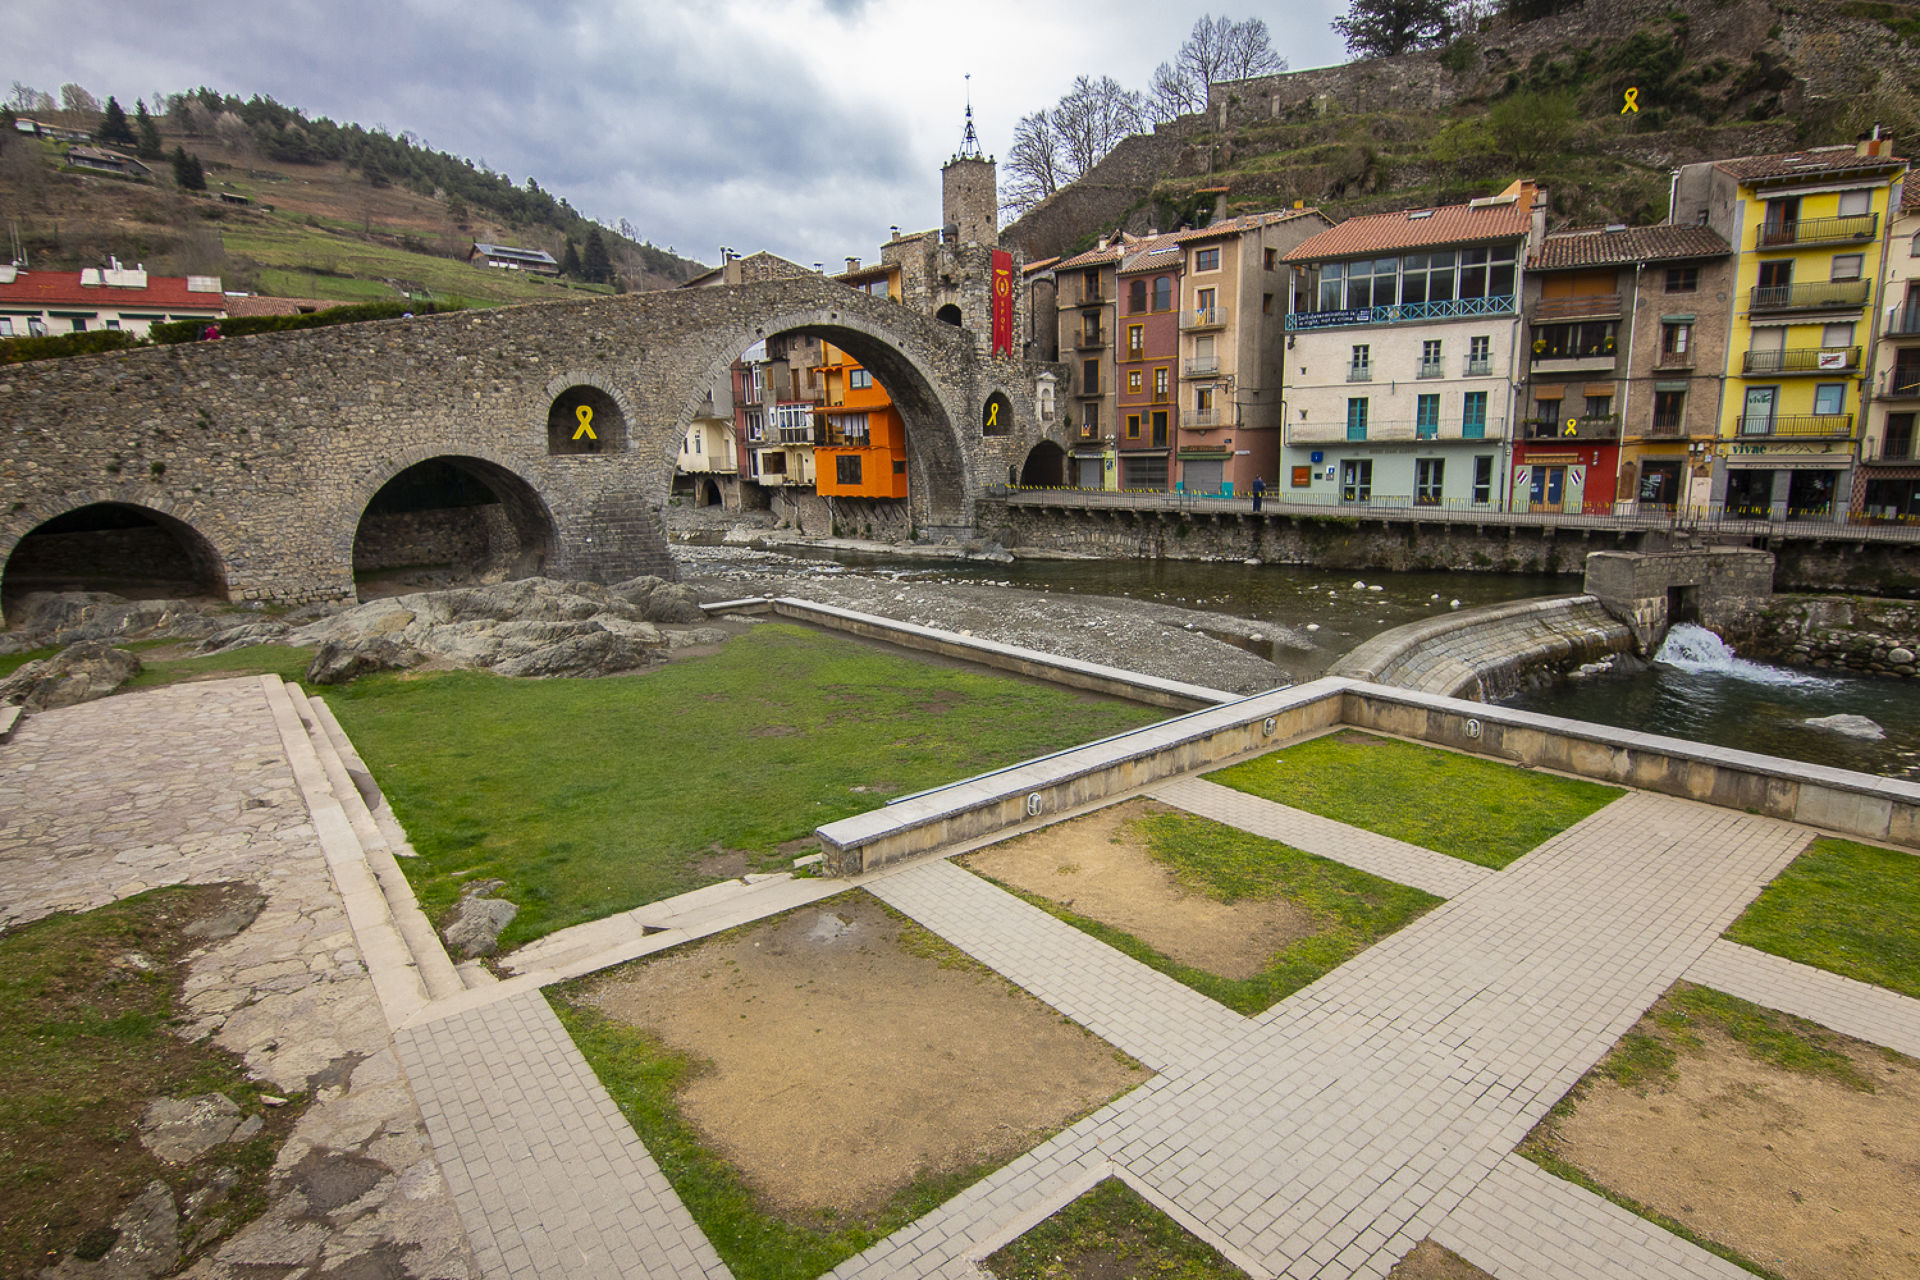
894 232
1872 144
853 264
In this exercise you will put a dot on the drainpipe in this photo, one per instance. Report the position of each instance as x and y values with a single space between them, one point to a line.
1620 436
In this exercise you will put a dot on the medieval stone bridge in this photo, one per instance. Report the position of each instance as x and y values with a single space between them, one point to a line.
254 462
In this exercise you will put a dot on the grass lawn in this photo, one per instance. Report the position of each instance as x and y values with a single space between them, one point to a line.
286 661
1482 811
1850 908
1355 909
1110 1231
86 1038
590 797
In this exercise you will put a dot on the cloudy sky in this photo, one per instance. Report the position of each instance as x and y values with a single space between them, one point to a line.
805 127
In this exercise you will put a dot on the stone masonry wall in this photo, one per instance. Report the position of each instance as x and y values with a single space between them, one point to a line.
455 535
1847 633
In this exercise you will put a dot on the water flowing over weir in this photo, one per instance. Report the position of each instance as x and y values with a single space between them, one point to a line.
1692 648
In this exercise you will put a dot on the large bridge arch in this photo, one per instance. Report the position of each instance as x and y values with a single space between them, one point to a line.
106 540
373 531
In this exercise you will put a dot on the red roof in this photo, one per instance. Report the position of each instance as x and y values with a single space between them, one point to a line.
1814 162
46 289
1500 219
260 305
1249 222
1620 246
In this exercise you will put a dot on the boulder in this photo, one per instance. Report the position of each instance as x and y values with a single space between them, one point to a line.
339 663
247 633
1849 726
478 919
68 617
78 673
661 601
146 1242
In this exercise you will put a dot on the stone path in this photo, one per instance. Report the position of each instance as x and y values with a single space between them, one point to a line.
1324 1137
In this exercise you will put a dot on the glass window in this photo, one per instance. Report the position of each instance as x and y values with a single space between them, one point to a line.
1357 418
1136 339
1356 480
1847 266
1429 480
6 327
1830 397
1836 335
1426 423
1272 259
1159 384
1669 407
1135 380
1599 406
1547 413
1137 296
1483 479
1362 355
1333 284
1163 293
1473 416
1090 377
1855 203
846 468
1206 260
1675 338
1133 426
859 379
1683 279
1480 348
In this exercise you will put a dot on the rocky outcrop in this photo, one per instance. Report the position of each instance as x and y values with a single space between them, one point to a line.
78 673
531 627
68 617
478 919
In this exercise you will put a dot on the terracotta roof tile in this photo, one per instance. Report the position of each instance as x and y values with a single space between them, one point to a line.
1417 229
1249 222
63 289
1605 246
1824 161
257 305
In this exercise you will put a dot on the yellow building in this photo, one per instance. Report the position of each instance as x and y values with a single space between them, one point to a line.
1809 232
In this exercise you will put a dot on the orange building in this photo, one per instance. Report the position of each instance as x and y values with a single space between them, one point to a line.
860 442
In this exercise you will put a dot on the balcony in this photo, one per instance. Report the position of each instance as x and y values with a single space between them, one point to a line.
1208 417
1903 383
1894 450
795 435
1359 373
1600 426
1673 359
1830 296
1904 323
1664 429
1596 306
1853 229
1396 431
1451 309
1213 317
1086 340
1803 360
1201 367
1477 367
1092 298
1430 369
1798 426
1089 391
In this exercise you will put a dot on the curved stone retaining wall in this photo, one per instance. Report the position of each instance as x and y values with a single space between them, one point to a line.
1849 633
1481 653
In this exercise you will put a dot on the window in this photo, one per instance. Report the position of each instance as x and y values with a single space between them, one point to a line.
1592 340
36 327
1546 413
1163 293
1135 381
1204 304
1683 279
1137 296
1836 335
1676 337
1090 377
1669 409
1206 260
1272 259
1090 285
1361 369
1430 359
79 325
1371 284
899 467
1480 354
1356 480
1599 407
1266 304
1090 328
697 440
1483 479
1487 273
113 324
1333 283
1830 397
773 463
1898 441
1362 354
1777 274
846 468
1136 339
1203 399
1160 384
6 327
859 379
1426 420
1133 426
1429 479
1357 419
1091 425
1427 277
1854 204
1847 266
1473 416
1160 426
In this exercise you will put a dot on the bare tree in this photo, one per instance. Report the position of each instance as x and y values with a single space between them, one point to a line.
75 98
24 97
1216 49
1092 118
1034 164
235 135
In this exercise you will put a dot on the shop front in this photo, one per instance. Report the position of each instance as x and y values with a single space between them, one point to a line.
1784 480
1570 480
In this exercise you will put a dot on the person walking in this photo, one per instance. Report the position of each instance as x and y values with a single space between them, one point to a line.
1259 491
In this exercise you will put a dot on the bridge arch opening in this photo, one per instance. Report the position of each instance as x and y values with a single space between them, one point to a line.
447 521
949 314
116 547
584 419
1045 467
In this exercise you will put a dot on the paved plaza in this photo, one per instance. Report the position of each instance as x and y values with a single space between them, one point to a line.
1325 1137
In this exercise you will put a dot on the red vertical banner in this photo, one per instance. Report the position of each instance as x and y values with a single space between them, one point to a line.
1002 302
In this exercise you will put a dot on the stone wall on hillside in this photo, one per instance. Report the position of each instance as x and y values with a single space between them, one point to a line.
1104 196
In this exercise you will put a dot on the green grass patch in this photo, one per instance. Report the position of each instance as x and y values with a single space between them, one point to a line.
590 797
1355 910
1849 908
289 662
12 662
1790 1043
1110 1230
89 1004
1481 811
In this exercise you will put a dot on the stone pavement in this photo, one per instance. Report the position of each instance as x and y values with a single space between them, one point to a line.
1856 1009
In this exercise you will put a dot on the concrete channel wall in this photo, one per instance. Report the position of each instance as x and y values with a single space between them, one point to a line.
1481 653
1023 797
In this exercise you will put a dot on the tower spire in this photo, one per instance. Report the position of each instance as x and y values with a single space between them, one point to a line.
969 140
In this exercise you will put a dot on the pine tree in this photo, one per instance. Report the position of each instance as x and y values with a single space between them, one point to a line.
594 262
187 171
114 129
146 134
570 260
1383 28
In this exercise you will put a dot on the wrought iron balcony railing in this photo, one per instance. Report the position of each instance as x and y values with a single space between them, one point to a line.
1815 426
1826 295
1803 360
1850 229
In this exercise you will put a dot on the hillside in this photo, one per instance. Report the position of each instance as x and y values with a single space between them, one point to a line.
1541 100
317 226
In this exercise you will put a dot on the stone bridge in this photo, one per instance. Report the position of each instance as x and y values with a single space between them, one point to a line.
248 467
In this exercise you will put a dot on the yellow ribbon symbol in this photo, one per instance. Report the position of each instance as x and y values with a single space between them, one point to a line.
1573 426
993 413
1633 102
585 414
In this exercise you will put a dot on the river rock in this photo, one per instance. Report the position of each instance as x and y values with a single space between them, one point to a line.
182 1129
78 673
1900 656
1850 726
147 1242
478 919
659 600
267 631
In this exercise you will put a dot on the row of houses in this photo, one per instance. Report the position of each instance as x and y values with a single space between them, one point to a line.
1757 352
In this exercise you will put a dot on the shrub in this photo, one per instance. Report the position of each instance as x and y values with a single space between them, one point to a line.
58 345
178 331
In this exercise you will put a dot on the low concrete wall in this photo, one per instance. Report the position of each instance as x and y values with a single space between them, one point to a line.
1482 652
1024 796
1152 690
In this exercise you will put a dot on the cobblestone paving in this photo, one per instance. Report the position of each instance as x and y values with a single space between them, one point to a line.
190 784
1852 1008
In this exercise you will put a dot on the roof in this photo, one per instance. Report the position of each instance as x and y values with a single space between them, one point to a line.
1822 162
1499 219
1250 222
1620 246
102 154
43 289
1154 257
509 251
1035 268
257 305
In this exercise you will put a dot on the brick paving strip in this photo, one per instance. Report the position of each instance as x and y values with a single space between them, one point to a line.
1839 1003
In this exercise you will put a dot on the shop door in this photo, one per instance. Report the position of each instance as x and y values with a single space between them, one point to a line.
1203 475
1810 495
1660 484
1089 469
1548 490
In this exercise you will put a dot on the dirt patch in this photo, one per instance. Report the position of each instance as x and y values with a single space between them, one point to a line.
852 1051
721 864
1800 1173
1429 1261
1099 866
